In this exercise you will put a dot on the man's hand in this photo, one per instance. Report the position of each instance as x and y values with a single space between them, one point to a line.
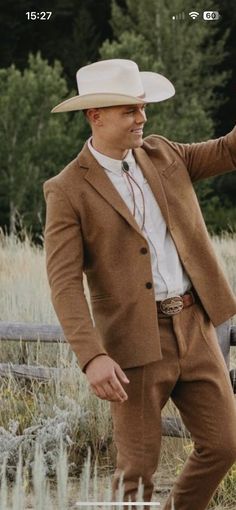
105 376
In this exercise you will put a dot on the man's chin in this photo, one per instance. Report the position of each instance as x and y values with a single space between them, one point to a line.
134 144
137 143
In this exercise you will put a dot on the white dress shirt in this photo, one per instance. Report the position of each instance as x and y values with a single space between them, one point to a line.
169 276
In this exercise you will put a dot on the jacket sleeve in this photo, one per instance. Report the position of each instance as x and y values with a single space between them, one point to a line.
64 261
206 159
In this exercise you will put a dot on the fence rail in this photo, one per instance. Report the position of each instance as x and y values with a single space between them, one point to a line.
31 371
29 332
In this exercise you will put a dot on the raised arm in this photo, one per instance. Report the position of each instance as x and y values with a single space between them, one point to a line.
210 158
202 160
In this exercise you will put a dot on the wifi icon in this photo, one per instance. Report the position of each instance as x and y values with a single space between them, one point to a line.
194 14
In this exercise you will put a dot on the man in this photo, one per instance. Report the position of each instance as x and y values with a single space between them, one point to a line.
124 212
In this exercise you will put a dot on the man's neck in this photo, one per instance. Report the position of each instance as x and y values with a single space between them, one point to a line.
111 152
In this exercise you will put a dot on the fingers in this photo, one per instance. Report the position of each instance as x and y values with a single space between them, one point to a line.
106 378
110 390
118 391
98 391
120 374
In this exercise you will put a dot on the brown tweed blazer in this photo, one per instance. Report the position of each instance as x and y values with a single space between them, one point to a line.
90 229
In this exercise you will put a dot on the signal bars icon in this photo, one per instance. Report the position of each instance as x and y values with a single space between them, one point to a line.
194 14
180 16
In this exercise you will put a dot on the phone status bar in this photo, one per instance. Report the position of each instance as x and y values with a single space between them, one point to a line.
194 15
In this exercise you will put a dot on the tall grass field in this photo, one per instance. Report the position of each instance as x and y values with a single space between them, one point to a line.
56 447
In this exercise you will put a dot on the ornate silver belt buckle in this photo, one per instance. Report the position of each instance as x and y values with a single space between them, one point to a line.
172 306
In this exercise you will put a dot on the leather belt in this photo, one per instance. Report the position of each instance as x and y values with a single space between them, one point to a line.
173 305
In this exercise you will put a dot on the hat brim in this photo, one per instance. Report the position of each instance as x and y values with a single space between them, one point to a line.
157 88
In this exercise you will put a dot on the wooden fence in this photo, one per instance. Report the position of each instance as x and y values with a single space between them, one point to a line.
26 332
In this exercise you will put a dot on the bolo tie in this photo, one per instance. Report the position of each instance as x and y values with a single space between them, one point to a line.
125 168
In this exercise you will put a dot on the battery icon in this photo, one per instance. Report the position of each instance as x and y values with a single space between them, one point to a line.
211 15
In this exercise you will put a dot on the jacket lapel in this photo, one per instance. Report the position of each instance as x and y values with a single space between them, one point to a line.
152 175
97 177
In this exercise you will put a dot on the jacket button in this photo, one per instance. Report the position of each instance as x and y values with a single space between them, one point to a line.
143 250
149 285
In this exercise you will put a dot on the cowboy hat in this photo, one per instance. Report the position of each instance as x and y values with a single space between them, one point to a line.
116 82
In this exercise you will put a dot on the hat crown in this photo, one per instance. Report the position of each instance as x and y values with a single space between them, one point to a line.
116 82
116 76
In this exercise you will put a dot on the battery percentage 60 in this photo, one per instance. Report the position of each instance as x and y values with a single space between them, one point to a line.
211 15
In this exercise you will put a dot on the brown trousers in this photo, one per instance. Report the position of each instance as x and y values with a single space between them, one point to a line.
193 373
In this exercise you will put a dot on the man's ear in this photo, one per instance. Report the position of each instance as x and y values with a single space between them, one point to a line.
94 116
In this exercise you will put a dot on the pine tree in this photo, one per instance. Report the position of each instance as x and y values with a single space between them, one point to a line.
34 144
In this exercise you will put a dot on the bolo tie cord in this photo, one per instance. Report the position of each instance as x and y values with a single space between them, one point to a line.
125 168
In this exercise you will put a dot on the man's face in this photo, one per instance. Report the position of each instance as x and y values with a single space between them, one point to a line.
120 126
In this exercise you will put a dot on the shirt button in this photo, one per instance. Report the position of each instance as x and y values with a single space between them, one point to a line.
143 250
149 285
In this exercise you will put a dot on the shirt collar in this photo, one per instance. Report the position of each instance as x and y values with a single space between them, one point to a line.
110 164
